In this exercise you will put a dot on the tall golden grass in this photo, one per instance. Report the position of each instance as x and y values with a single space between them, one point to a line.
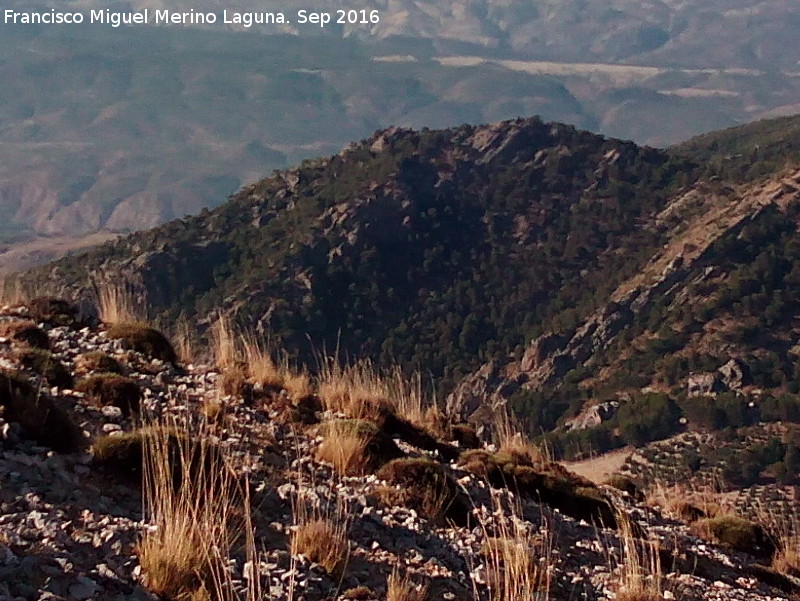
511 441
400 587
12 291
118 303
362 391
683 500
518 559
345 448
199 514
224 348
271 369
638 575
320 533
182 337
783 524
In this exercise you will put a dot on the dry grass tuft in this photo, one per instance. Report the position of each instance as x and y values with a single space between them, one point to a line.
12 292
224 349
687 504
513 443
265 371
233 382
518 559
361 391
183 337
297 384
787 558
402 588
118 303
356 391
346 450
195 526
784 528
213 412
640 577
321 534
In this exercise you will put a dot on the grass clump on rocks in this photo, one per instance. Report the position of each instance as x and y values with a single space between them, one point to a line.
425 486
38 415
97 361
321 534
737 533
400 587
126 454
355 446
201 515
112 389
143 339
547 482
46 365
54 311
25 332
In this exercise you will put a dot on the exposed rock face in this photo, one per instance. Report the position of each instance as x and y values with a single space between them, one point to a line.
487 387
698 385
734 375
593 416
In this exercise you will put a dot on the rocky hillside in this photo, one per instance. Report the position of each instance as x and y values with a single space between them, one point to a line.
435 248
524 262
411 512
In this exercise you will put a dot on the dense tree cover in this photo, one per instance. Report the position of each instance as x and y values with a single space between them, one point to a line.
441 250
651 417
745 152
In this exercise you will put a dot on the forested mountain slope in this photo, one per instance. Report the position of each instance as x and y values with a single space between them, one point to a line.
579 267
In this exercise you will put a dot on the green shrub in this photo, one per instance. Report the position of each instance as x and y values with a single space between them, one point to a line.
143 339
40 418
112 389
651 417
46 365
737 533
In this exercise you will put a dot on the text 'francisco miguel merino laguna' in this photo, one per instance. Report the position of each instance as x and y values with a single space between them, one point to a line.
191 17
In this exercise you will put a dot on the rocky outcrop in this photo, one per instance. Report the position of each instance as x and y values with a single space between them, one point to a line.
699 221
699 385
593 416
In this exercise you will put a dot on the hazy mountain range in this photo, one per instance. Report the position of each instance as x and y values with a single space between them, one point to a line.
118 129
